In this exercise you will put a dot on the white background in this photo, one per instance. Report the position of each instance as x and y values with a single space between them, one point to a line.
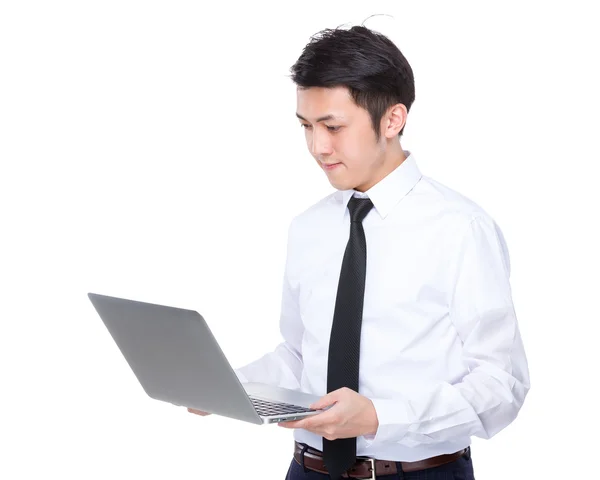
150 150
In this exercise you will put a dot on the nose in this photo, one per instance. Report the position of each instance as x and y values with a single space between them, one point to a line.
320 144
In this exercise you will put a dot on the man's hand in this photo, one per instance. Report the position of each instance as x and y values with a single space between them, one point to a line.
350 416
198 412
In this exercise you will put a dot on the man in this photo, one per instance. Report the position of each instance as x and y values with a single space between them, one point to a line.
396 305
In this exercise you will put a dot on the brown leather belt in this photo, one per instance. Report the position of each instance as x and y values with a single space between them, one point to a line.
368 467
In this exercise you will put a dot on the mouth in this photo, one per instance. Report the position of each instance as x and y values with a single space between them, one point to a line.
330 166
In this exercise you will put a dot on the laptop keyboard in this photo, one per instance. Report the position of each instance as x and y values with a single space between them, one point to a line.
266 408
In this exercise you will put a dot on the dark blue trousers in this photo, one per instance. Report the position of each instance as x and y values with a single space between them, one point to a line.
460 469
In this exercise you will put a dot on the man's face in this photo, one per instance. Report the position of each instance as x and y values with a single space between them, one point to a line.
340 137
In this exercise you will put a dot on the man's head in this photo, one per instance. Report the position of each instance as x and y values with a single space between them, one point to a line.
355 89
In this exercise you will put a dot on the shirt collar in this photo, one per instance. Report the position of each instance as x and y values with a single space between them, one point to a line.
389 190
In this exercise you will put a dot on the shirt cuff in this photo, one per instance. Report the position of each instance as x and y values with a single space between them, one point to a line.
392 415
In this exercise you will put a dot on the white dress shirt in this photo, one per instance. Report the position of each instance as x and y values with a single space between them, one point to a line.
441 355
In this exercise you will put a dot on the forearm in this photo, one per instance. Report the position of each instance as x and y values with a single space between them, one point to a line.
481 405
281 367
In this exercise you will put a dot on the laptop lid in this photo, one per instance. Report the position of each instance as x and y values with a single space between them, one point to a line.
175 356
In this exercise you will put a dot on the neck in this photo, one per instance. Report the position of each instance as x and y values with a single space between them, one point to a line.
392 159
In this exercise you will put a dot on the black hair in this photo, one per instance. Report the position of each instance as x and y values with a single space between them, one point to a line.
366 62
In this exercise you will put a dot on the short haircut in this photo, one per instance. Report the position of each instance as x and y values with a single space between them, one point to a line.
368 63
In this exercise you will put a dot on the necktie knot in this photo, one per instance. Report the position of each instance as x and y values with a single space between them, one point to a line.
359 208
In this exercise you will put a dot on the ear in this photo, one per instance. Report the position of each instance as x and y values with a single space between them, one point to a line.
393 120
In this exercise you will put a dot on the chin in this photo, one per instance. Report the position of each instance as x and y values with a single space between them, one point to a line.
341 186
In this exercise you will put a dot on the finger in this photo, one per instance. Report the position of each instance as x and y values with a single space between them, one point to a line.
325 401
294 424
313 423
198 412
320 421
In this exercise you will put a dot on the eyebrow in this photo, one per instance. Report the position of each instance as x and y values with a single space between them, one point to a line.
320 119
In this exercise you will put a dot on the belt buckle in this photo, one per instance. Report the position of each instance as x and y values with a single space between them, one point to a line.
372 462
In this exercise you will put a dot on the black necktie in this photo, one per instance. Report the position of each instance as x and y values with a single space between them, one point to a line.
344 343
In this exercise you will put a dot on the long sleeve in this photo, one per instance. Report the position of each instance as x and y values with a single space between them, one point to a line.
490 395
283 366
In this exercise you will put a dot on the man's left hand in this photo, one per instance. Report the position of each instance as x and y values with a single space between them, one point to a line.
350 416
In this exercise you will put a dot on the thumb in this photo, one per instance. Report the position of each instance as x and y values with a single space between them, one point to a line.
325 401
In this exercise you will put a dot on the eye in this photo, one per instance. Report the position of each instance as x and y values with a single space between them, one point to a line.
331 128
305 125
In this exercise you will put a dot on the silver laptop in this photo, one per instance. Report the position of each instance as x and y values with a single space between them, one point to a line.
176 359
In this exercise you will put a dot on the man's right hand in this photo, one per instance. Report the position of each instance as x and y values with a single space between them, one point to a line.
198 412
